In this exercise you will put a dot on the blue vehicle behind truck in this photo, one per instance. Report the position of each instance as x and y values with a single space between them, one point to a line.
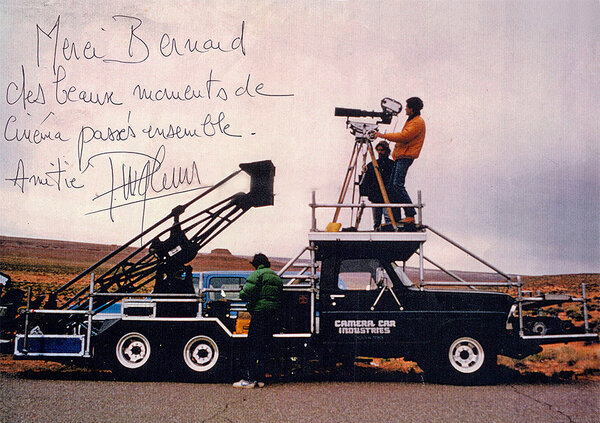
219 285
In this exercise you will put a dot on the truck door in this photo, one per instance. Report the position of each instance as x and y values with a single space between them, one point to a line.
359 307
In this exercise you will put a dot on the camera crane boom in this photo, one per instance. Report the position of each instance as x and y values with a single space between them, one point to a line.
164 261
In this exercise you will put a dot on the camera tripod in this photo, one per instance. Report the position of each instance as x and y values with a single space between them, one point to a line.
363 137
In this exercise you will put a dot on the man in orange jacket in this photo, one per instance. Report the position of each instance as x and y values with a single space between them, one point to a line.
408 146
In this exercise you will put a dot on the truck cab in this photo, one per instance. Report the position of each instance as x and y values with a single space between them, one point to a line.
380 312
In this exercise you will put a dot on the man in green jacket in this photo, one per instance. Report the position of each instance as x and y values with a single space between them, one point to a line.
262 291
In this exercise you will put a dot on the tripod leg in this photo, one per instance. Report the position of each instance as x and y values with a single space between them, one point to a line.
361 209
381 184
347 179
359 215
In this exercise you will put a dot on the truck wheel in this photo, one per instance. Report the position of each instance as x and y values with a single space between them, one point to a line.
470 360
132 356
462 360
205 358
466 355
201 353
539 328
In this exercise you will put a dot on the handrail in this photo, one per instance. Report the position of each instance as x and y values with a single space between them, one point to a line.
469 284
479 259
361 204
314 205
142 295
448 272
292 261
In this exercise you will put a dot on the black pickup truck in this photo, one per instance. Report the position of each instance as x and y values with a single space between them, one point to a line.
369 307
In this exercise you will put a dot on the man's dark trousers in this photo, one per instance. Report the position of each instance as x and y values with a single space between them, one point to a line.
263 325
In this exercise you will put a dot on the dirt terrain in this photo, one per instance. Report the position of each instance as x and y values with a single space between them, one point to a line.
45 265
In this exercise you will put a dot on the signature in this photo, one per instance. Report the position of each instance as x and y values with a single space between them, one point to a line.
136 177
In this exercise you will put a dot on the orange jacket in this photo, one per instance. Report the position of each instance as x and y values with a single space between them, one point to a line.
410 140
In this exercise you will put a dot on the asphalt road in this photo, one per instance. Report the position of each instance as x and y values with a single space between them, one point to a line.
41 398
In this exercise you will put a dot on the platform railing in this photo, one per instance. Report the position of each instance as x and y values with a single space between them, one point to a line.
89 313
363 205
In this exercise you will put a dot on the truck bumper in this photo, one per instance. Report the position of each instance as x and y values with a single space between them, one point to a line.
525 345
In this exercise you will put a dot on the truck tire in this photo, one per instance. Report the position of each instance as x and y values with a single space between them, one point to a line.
132 356
466 359
205 357
539 328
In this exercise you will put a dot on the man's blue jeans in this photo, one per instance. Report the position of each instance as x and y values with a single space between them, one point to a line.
398 192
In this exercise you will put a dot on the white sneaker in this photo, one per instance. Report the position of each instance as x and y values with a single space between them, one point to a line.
260 384
244 384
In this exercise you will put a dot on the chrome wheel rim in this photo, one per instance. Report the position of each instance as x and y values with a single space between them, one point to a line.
466 355
133 350
201 353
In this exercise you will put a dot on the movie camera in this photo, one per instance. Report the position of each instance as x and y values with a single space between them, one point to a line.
389 107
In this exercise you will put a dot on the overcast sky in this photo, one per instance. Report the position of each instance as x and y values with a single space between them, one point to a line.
510 165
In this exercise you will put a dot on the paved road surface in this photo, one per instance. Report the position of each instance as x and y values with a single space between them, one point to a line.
42 399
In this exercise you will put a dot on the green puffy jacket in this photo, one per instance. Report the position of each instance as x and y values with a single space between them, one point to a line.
262 290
